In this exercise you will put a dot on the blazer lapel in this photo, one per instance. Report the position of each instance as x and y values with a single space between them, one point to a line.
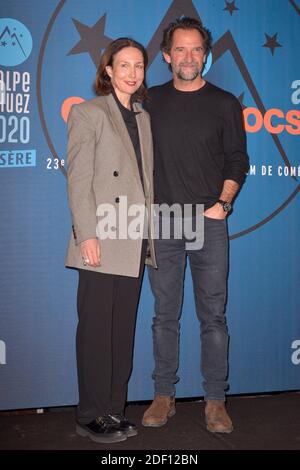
144 135
120 127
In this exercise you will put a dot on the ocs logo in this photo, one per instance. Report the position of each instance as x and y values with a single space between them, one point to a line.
15 42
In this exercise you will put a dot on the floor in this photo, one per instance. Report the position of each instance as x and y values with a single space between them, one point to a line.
260 423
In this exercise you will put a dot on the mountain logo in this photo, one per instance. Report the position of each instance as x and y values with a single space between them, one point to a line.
226 67
15 42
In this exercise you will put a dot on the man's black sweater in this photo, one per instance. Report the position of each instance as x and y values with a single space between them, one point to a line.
199 141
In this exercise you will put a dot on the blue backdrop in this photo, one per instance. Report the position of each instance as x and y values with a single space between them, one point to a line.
48 54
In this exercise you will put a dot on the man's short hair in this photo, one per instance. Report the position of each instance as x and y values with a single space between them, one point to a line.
185 23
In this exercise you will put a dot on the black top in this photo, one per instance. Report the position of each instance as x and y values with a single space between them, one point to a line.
129 118
199 141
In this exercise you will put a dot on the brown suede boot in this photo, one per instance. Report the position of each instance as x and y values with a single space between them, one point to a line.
216 417
159 411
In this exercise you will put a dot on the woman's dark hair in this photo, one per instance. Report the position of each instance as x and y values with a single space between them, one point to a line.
185 23
103 85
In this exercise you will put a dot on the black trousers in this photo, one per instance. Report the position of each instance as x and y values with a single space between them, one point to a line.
107 306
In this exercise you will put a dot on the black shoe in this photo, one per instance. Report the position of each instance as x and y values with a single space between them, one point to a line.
102 429
123 424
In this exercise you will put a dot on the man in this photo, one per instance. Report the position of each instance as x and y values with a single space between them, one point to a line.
200 158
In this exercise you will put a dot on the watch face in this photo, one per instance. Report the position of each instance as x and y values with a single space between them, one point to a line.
227 206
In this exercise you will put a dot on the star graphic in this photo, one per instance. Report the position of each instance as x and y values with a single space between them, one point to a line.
272 43
3 43
92 41
230 7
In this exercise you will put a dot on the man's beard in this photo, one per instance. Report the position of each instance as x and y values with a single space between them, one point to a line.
187 76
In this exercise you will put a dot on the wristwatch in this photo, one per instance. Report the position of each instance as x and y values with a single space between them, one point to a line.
226 205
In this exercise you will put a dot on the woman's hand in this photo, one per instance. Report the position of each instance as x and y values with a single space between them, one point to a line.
90 252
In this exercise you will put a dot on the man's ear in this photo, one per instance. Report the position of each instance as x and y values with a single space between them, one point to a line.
167 57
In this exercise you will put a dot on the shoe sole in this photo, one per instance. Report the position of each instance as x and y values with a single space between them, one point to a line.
131 433
225 431
162 423
100 439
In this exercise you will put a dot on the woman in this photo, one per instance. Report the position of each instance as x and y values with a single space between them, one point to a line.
110 163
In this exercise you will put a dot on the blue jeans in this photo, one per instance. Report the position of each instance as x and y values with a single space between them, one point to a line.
209 268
